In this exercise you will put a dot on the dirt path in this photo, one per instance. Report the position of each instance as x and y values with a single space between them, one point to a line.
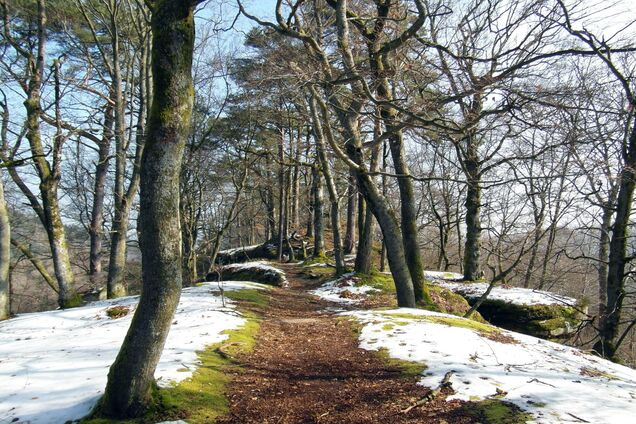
307 368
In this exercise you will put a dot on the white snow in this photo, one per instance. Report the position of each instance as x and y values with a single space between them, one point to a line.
442 275
335 290
555 383
514 295
257 265
53 365
237 249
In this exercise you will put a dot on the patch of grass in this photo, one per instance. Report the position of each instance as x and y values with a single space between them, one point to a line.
409 369
321 259
254 297
480 327
483 329
388 327
117 312
377 280
404 315
493 411
201 398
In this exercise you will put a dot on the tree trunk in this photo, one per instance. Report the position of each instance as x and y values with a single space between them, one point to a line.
472 248
96 230
5 255
130 380
281 194
608 332
331 187
352 197
116 285
49 175
380 65
319 231
603 249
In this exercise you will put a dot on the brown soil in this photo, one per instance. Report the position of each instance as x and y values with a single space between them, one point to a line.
307 368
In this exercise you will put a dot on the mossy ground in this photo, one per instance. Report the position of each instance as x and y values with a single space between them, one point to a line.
321 259
494 411
202 397
488 411
117 311
408 369
442 300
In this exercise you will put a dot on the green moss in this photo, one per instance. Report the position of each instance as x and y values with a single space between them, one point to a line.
405 315
449 302
493 411
201 398
320 259
464 323
254 297
388 327
408 369
73 301
117 311
377 280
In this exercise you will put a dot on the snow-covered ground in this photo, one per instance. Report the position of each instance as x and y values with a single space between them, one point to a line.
339 290
556 383
53 365
515 295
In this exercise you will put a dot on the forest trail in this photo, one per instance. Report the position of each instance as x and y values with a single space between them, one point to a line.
307 368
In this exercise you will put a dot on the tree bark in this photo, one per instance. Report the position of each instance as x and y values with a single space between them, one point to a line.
331 187
472 248
130 380
352 197
116 285
96 230
610 321
49 175
319 231
5 255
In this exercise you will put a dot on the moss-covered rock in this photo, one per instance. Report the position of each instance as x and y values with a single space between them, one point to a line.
545 321
448 302
256 272
533 312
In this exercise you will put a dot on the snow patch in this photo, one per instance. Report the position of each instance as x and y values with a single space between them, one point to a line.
555 383
514 295
54 365
337 290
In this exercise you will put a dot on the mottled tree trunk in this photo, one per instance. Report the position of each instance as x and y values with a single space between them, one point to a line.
116 285
609 330
49 175
380 64
352 197
331 187
319 231
96 230
130 380
281 194
5 255
472 247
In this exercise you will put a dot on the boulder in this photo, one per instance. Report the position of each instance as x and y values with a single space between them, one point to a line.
534 312
257 272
